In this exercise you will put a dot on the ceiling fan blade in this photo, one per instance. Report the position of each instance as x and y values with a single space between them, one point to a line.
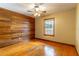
29 11
44 11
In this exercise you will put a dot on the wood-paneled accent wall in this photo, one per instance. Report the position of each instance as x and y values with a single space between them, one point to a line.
15 27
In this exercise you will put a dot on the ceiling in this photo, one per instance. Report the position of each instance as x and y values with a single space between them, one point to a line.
49 7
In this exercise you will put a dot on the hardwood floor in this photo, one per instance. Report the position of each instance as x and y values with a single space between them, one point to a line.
38 48
58 49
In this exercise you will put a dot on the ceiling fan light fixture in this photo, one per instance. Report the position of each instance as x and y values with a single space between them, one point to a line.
38 9
37 14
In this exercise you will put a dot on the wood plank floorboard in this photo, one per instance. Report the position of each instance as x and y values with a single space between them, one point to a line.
38 48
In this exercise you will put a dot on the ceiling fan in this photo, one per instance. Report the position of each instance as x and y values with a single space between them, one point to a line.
37 9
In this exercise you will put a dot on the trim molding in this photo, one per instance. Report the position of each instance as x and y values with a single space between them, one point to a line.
76 51
60 43
57 42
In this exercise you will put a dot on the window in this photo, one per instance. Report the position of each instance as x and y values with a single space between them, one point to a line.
49 26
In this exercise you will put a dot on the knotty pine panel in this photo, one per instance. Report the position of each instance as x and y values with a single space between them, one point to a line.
15 27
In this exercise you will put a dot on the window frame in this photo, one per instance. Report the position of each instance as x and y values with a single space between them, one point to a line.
54 27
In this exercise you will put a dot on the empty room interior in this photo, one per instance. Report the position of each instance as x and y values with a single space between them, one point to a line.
39 29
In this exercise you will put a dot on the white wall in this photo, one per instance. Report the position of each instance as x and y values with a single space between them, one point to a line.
77 29
64 27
